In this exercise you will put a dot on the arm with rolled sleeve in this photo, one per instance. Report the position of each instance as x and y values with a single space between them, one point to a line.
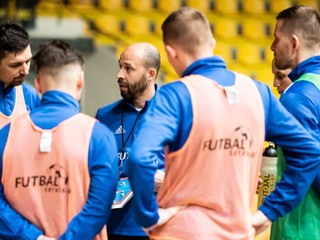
302 154
12 225
103 183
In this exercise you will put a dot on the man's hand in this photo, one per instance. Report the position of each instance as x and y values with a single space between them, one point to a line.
158 179
165 214
43 237
260 222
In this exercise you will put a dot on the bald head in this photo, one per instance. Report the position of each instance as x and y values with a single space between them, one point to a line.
144 52
139 66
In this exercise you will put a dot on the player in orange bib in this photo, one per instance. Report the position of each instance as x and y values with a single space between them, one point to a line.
58 166
213 123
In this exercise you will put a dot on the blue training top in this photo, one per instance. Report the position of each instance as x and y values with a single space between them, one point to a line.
8 98
122 116
169 121
56 107
302 99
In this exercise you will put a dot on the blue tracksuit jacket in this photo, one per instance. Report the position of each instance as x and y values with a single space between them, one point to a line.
56 107
169 120
302 99
8 95
122 221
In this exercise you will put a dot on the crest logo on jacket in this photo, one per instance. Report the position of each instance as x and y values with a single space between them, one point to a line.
55 179
238 144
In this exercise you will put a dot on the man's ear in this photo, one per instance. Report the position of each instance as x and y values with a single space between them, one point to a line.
80 85
214 43
171 51
295 43
37 84
151 74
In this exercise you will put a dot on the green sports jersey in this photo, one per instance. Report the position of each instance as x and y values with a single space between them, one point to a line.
303 223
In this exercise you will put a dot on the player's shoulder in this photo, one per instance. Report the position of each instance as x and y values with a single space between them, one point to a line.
107 109
28 88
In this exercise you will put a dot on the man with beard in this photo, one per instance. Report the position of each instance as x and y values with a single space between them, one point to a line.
16 96
139 66
296 46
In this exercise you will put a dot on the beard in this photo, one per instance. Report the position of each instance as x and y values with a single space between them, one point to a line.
14 82
18 80
134 90
282 65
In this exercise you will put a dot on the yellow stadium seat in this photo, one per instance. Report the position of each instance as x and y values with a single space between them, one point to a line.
227 6
312 3
225 28
109 25
111 5
269 54
263 73
82 2
227 51
167 6
249 53
82 6
254 6
202 5
277 6
254 28
141 5
137 25
239 68
157 21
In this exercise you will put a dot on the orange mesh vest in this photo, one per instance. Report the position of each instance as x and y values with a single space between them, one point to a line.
48 188
19 108
215 173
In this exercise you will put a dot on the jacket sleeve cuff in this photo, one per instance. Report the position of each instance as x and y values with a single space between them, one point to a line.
271 215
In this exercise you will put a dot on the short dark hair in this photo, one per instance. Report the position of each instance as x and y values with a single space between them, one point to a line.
55 55
304 20
13 38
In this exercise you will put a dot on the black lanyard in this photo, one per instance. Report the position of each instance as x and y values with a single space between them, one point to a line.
124 142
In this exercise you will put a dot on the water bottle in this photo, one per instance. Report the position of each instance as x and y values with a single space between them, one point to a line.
268 172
